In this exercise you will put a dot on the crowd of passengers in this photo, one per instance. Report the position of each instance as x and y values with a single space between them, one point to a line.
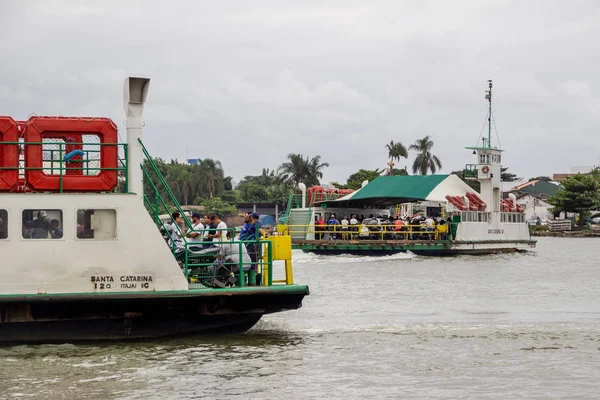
380 227
210 235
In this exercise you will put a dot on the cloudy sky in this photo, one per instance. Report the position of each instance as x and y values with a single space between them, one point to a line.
247 82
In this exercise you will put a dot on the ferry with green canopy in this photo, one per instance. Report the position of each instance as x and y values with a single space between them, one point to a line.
424 214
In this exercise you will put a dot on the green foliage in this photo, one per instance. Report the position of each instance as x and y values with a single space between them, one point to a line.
219 207
396 150
539 178
425 160
266 187
580 194
595 174
471 182
187 182
231 196
507 176
540 228
297 169
253 192
356 179
399 172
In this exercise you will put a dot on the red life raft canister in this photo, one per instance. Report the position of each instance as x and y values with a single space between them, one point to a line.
9 154
71 130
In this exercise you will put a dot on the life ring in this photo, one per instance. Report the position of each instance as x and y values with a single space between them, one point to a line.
485 169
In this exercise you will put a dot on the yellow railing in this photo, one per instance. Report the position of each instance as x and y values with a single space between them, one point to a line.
371 231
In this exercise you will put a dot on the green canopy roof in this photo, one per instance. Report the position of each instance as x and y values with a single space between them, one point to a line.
388 190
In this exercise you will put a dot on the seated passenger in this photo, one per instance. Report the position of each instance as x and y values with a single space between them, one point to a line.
178 230
40 226
55 230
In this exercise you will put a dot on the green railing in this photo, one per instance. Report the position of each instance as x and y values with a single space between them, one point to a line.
205 263
62 158
405 232
294 201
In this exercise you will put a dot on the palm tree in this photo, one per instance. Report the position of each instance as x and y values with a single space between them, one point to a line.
425 161
396 150
294 170
298 169
314 173
211 177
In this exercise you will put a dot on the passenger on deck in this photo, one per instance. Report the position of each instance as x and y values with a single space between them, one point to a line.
246 226
353 226
429 223
209 230
398 224
320 228
220 234
193 236
254 233
345 224
178 231
332 225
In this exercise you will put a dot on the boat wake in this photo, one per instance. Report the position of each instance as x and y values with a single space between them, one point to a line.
301 257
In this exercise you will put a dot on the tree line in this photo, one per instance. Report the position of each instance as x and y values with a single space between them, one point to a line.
205 183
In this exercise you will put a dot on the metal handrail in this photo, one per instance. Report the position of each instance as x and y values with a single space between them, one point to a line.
165 185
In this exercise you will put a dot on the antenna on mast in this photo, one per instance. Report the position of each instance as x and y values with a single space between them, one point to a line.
488 96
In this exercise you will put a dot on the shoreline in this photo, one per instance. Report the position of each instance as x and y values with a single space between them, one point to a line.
570 234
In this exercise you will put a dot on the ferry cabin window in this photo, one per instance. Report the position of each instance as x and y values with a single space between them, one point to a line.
96 224
42 224
3 224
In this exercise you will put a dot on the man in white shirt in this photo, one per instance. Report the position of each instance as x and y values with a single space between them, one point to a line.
345 224
221 229
429 223
194 236
353 225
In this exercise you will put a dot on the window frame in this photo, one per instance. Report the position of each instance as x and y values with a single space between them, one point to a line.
4 212
47 210
92 239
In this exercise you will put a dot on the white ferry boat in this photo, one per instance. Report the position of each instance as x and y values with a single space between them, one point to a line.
84 260
455 219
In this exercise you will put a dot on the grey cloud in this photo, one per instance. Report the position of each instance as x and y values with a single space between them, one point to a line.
339 79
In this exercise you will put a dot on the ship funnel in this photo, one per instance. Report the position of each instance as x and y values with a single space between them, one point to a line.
513 199
302 187
135 91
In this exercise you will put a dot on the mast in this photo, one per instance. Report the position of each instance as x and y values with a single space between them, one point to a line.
488 96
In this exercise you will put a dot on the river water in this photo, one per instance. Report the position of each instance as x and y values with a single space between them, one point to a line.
501 326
